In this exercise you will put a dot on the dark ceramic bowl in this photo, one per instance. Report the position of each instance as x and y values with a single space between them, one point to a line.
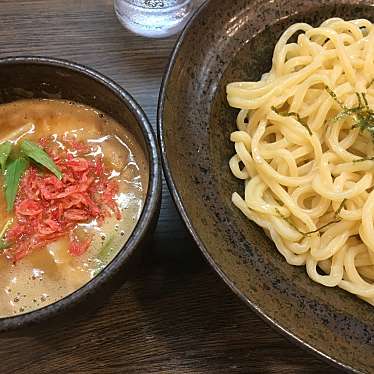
233 41
39 77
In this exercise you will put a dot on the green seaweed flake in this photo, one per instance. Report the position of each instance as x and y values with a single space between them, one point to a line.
336 220
362 115
293 114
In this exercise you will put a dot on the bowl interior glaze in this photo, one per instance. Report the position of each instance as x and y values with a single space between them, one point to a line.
226 43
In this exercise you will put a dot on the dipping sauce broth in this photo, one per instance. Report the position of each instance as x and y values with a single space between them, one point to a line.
60 233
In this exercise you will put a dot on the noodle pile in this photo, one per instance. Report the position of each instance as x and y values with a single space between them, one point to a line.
306 164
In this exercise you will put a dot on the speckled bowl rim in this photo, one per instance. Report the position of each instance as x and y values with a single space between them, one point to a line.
151 203
187 220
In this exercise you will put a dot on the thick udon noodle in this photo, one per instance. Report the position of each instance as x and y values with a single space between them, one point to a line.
297 181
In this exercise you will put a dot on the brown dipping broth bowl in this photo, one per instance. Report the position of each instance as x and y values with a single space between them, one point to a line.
41 77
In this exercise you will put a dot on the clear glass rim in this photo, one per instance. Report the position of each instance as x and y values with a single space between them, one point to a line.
156 9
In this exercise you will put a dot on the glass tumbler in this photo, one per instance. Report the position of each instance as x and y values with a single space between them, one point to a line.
155 18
